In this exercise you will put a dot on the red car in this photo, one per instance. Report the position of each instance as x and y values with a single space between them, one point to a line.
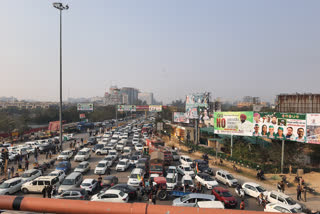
224 196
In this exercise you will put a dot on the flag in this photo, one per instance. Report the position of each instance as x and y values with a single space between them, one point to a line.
196 170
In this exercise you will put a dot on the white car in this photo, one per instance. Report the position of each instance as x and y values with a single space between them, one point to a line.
206 180
172 181
226 178
60 174
31 174
11 186
104 141
138 147
101 168
185 160
114 139
253 189
281 198
123 165
82 155
111 159
65 155
111 195
113 153
280 208
127 150
187 180
145 135
135 141
120 146
83 167
89 185
185 170
172 170
102 151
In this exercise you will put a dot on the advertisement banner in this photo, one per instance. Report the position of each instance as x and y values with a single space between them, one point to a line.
127 108
81 116
192 113
85 106
235 123
155 108
313 128
180 117
282 126
197 106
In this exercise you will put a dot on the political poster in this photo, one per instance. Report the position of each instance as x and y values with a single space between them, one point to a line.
235 123
282 126
127 108
85 106
192 113
313 128
82 116
155 108
197 105
180 117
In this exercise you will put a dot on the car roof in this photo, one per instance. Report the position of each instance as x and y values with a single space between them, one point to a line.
31 170
125 159
87 180
115 191
84 162
223 171
172 167
103 161
289 207
252 184
45 177
199 195
280 194
221 189
185 156
109 177
57 171
12 180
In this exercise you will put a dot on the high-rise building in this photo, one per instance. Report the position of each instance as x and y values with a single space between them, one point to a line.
147 97
114 96
132 94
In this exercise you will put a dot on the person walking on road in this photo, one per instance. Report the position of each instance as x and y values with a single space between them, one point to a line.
26 165
50 154
9 173
36 155
47 155
305 193
12 171
299 192
242 205
49 190
44 191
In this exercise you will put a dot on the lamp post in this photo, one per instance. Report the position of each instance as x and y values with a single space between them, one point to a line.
60 7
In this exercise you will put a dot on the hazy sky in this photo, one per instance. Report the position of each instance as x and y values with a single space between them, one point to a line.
172 48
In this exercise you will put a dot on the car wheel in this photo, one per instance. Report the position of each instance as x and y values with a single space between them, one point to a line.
25 191
98 153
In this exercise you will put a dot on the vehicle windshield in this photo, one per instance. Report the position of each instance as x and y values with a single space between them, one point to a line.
108 158
138 145
208 178
171 180
230 177
68 182
294 210
188 160
81 153
261 189
64 153
187 169
53 174
113 153
101 165
122 163
121 193
290 201
81 166
4 185
184 198
226 194
134 176
85 184
26 175
189 182
126 151
174 153
156 168
62 165
134 158
171 170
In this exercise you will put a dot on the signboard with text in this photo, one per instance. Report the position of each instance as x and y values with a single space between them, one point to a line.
85 106
313 128
180 117
127 108
155 108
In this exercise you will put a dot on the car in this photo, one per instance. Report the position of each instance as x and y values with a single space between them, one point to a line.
65 155
191 199
114 139
202 166
135 141
123 165
83 155
138 147
172 170
89 185
60 174
253 189
172 181
102 151
11 186
111 195
280 208
46 147
92 141
210 204
71 181
175 155
120 146
135 177
38 184
281 198
96 147
113 153
187 181
127 150
111 159
64 165
206 180
226 178
110 180
185 160
224 196
143 163
101 167
145 135
185 170
30 175
134 159
73 194
83 167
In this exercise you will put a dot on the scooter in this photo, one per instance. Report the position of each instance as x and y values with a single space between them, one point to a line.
239 192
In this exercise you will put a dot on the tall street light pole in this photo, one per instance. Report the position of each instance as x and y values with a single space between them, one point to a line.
60 7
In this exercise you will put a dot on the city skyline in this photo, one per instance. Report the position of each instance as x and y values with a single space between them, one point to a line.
231 49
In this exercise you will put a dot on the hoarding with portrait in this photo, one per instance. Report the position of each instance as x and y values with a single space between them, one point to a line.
313 128
197 106
85 106
235 123
127 108
180 117
282 126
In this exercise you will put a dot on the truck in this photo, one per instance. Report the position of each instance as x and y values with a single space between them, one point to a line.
156 163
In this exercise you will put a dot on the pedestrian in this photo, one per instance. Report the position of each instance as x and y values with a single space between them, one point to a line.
26 165
242 205
154 199
49 190
50 154
100 182
47 155
9 172
54 190
36 155
305 193
44 191
299 192
12 171
2 169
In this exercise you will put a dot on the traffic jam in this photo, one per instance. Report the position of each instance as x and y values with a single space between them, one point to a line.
130 163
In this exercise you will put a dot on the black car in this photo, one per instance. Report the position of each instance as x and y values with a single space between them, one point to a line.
46 147
74 194
131 191
203 166
97 146
92 141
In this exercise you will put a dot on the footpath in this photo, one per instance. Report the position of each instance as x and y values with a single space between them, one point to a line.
249 175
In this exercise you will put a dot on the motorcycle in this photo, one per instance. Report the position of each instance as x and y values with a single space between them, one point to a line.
239 192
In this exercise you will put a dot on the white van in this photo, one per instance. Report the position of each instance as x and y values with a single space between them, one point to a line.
83 155
210 204
185 160
71 181
37 185
10 186
135 178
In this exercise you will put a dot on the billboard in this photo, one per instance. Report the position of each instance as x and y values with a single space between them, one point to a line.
155 108
180 117
197 105
313 128
127 108
85 106
235 123
82 116
282 126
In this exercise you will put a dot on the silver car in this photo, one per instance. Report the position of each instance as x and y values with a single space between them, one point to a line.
191 200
